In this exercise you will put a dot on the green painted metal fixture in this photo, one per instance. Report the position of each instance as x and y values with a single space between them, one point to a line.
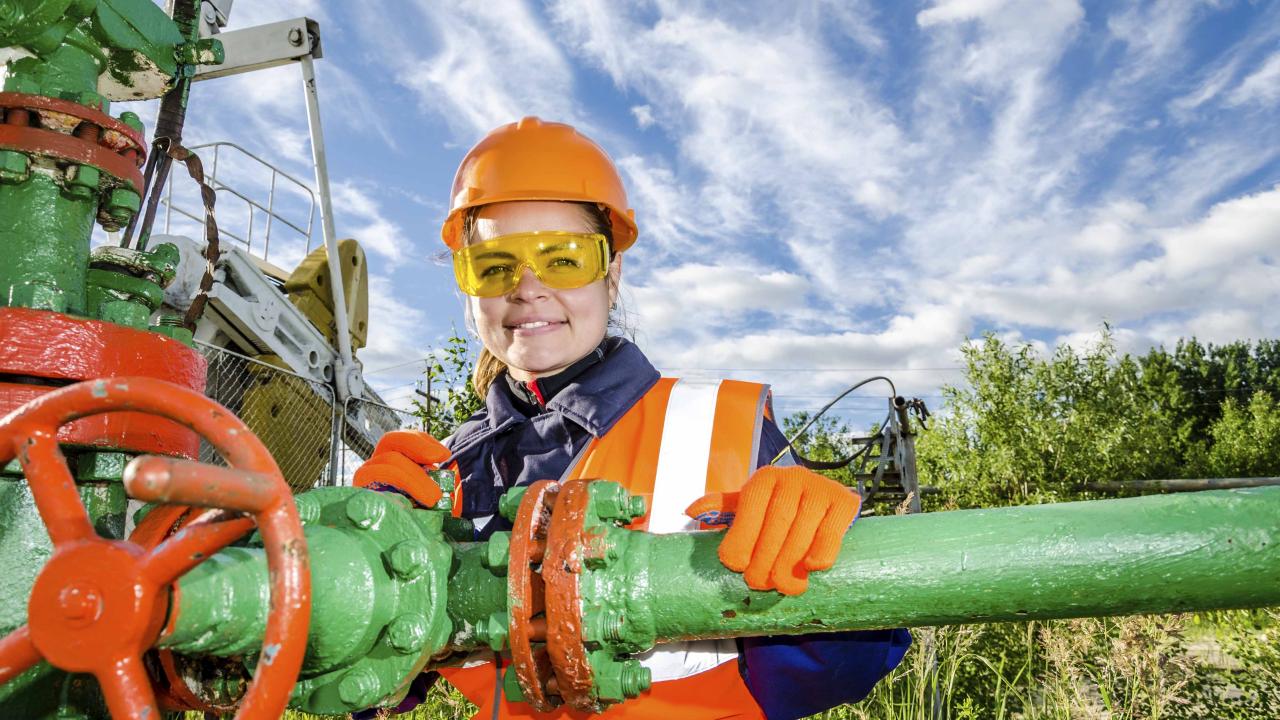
378 589
1155 554
63 162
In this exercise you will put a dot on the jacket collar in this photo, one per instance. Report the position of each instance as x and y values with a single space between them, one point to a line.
595 400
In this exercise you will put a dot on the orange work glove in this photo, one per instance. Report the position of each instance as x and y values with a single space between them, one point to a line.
785 523
401 460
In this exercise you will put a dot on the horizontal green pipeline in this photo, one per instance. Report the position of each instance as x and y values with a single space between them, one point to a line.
1170 553
1197 551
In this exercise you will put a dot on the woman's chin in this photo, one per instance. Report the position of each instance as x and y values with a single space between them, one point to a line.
537 366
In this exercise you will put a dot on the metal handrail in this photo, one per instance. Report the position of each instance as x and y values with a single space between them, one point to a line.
268 209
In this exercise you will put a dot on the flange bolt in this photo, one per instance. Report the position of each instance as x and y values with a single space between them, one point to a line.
636 678
493 631
408 559
365 510
122 204
611 501
605 625
407 633
359 688
15 167
82 181
497 552
509 503
132 120
511 685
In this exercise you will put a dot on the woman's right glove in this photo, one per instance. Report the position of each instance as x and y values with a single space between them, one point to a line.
400 462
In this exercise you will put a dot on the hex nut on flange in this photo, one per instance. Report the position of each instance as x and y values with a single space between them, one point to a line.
82 181
360 688
408 559
407 633
365 510
610 501
15 167
123 204
493 631
497 552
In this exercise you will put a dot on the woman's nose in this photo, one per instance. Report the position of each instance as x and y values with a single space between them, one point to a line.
529 287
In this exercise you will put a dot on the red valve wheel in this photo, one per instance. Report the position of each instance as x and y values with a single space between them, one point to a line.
98 604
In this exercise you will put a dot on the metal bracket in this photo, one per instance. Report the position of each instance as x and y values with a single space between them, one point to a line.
265 46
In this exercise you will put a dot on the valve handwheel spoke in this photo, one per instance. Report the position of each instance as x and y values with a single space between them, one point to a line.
17 654
175 556
129 694
98 604
56 497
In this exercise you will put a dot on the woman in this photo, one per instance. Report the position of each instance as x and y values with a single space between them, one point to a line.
538 226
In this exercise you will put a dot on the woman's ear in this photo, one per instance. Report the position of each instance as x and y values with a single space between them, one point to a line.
615 277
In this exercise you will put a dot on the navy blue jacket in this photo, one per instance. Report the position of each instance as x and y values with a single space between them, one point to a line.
501 447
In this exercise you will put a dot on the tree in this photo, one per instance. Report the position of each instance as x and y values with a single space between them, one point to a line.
452 397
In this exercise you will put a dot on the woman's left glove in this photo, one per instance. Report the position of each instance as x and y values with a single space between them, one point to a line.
785 523
400 461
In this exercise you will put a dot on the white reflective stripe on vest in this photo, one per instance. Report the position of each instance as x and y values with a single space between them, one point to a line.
683 455
681 478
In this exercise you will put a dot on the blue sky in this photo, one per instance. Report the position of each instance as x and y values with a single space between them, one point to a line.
824 189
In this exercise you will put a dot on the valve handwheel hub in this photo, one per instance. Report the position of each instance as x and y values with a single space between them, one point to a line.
98 604
91 604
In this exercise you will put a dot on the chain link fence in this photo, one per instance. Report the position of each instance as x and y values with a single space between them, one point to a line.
314 440
292 415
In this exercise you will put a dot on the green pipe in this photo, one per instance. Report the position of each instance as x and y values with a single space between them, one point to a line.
373 565
44 244
45 229
1198 551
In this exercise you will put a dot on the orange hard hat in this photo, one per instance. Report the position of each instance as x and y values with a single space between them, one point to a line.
536 160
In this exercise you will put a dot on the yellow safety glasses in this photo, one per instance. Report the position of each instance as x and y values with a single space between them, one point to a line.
561 260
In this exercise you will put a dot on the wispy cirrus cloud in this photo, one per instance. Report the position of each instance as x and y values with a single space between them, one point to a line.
1017 171
831 184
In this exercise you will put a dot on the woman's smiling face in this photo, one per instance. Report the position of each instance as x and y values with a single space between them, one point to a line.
534 329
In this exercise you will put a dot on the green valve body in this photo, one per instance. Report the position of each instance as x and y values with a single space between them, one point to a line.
379 574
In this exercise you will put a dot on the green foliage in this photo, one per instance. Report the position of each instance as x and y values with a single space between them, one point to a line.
831 439
1031 429
1026 429
1245 440
452 397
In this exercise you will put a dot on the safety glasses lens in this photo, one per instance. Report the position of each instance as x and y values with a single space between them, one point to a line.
560 260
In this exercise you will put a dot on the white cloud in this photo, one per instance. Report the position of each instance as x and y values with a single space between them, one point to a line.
1262 86
947 11
394 337
995 187
722 294
643 115
490 63
360 215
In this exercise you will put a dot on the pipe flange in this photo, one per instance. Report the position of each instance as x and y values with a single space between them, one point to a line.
525 595
585 649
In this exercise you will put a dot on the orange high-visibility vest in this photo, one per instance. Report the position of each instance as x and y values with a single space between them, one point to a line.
683 439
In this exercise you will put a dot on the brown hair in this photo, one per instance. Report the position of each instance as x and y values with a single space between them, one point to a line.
488 366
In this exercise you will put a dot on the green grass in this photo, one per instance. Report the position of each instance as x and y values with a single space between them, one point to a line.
1210 666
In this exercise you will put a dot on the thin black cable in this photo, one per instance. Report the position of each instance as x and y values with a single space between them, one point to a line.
168 132
800 433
